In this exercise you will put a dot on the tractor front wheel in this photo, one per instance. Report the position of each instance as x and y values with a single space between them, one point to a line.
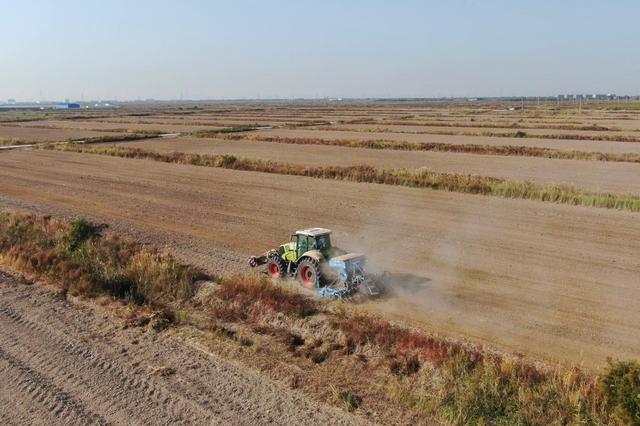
276 267
308 273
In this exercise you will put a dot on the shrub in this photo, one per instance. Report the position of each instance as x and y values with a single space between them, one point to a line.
621 384
80 230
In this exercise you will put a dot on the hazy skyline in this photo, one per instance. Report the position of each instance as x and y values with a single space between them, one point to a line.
283 49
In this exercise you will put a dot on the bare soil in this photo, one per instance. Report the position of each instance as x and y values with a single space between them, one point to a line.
72 362
595 176
552 281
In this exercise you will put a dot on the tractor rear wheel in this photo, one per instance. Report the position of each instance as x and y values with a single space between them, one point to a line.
276 267
308 273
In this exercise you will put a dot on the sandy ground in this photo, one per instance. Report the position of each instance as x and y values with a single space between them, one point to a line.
72 363
596 176
553 281
580 145
42 135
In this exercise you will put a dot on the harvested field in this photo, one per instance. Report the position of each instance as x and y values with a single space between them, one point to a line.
552 134
556 282
27 134
578 145
102 126
507 268
209 123
493 126
602 177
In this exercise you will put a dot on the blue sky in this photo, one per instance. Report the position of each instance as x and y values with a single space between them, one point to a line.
246 49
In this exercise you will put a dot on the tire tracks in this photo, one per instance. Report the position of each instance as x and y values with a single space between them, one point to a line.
79 366
43 392
67 362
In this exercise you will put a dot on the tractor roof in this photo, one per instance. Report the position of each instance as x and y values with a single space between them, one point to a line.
313 232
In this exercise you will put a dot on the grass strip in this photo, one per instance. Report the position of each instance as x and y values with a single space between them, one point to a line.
226 130
90 140
592 127
415 178
504 150
10 142
118 138
518 134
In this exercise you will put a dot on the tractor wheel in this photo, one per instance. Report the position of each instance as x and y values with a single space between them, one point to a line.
276 267
308 273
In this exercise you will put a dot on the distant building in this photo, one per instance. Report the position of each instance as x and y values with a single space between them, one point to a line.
11 101
66 106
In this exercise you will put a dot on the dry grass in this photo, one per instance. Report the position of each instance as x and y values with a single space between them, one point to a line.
251 298
82 261
518 134
592 127
462 384
224 131
420 178
21 117
506 150
119 138
8 142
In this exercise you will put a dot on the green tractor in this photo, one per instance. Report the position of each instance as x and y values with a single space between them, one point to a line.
316 264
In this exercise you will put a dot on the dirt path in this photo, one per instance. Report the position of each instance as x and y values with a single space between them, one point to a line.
554 281
71 363
596 176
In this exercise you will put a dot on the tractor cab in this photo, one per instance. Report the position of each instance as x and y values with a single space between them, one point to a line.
311 239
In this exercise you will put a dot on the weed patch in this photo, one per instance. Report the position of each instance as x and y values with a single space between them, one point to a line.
244 298
82 261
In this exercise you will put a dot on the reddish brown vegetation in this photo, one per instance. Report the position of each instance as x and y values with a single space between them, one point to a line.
246 297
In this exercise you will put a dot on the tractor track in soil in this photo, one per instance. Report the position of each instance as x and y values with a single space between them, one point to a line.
67 362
